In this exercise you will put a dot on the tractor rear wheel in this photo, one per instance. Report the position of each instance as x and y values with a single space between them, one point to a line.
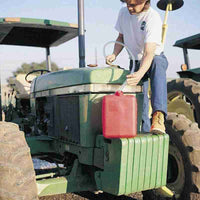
17 176
184 98
184 159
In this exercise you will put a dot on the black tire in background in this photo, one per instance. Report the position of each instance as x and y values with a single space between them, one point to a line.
184 98
17 176
184 159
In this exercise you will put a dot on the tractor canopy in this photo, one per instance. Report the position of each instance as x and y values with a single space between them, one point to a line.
192 42
35 32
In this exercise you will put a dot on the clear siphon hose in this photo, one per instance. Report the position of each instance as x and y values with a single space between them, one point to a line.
130 57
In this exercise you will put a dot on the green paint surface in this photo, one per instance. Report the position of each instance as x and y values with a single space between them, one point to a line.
90 118
133 165
40 144
52 186
90 107
80 76
80 179
129 165
38 21
35 32
191 42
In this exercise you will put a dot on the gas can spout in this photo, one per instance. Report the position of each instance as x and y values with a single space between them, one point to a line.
119 93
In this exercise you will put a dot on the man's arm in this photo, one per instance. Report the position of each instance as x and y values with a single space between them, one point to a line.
149 52
117 49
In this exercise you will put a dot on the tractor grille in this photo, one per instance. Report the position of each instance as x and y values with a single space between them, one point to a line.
68 123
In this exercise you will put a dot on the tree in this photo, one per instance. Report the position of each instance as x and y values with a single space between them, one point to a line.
26 68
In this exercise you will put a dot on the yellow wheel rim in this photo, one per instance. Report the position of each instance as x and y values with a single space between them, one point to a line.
179 103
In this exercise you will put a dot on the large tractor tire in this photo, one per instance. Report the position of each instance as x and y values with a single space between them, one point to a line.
184 159
184 98
17 176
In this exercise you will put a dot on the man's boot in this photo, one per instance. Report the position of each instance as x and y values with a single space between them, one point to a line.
158 120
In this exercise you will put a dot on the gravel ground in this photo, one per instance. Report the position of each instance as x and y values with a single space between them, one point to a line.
91 196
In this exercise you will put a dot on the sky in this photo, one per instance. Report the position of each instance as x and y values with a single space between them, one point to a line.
100 19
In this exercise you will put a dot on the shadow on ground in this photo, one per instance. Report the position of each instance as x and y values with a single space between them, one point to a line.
92 196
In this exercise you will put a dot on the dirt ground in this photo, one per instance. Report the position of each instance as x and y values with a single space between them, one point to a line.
91 196
104 196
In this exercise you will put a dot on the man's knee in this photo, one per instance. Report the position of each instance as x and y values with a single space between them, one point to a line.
160 63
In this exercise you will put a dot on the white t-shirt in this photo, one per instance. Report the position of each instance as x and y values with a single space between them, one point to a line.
139 29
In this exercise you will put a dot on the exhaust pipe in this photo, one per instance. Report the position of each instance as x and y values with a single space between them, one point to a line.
81 33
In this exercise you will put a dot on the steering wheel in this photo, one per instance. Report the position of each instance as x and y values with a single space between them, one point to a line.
35 71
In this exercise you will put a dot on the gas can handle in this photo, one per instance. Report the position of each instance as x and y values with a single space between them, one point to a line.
131 57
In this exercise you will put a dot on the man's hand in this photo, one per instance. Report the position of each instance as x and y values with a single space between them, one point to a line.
134 79
110 59
149 52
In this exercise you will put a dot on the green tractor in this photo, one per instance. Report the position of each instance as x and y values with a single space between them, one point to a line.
65 141
184 93
184 99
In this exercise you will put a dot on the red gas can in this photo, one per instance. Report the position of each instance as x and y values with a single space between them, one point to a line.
119 116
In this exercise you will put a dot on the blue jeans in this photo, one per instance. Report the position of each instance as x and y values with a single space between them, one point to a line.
157 75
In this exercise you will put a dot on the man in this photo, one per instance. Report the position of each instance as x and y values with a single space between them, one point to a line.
140 29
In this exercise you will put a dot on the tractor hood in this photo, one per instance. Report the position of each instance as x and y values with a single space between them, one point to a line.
79 76
35 32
